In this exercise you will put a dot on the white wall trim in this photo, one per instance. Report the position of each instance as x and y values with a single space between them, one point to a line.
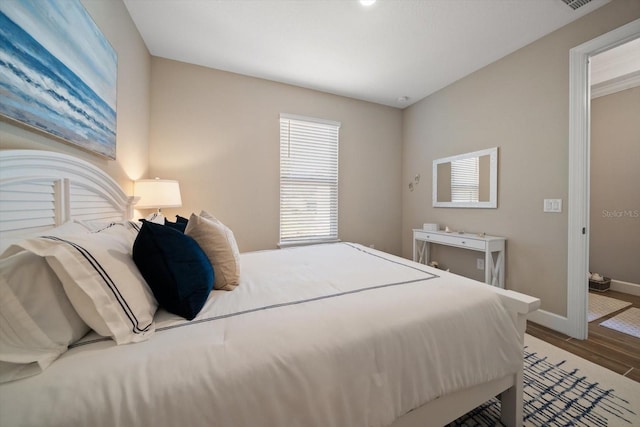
578 216
616 85
626 287
550 320
578 206
288 116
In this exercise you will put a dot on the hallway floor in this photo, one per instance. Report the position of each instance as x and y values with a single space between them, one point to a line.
614 350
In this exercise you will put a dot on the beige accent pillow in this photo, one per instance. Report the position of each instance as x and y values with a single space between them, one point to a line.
218 242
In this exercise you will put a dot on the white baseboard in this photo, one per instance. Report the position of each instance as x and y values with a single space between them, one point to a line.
551 321
626 287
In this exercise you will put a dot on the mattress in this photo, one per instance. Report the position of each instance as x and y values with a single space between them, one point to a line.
328 335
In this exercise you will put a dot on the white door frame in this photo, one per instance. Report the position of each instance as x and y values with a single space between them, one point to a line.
579 148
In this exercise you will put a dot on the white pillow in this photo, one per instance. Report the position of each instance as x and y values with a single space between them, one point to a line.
101 280
219 244
37 321
96 226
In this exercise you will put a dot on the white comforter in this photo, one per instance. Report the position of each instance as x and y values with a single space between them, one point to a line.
331 335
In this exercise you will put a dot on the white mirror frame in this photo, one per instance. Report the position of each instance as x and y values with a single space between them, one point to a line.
493 180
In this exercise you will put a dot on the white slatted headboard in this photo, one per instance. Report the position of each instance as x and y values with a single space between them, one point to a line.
42 189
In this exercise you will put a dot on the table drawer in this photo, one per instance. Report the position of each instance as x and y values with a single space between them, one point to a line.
452 240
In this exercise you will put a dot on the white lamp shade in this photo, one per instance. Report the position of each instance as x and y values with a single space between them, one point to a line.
157 193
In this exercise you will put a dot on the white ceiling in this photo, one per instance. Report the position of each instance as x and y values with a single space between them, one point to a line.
380 53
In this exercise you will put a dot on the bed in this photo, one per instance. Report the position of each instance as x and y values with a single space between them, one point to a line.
326 335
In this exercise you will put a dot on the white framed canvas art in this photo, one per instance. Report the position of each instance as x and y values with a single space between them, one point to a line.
58 72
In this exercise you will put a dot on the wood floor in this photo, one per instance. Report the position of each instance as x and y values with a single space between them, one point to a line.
612 349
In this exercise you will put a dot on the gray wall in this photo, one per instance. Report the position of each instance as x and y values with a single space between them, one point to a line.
521 105
218 133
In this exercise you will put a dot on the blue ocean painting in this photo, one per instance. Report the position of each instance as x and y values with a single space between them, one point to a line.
58 72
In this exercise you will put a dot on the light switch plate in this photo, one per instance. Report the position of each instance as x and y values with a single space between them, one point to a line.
552 205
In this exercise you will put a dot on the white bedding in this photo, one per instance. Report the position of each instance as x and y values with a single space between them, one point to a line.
329 335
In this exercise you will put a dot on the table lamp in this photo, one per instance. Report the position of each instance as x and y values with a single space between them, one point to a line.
157 194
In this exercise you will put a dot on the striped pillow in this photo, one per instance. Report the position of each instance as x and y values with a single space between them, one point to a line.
37 320
101 280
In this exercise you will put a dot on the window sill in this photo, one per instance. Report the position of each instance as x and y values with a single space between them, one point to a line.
283 245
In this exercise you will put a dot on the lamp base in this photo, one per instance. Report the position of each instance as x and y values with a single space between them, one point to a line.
156 218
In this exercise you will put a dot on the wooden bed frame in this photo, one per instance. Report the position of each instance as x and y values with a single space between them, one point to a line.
40 190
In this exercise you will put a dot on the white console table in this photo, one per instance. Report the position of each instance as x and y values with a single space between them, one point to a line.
493 269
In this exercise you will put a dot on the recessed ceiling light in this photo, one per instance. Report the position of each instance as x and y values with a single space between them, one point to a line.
367 2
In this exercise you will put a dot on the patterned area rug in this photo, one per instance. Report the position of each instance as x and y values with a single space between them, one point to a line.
627 322
561 389
600 306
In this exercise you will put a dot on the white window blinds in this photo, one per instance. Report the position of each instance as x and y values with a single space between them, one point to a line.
465 184
308 180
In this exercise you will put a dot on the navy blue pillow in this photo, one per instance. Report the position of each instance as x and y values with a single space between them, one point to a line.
180 224
175 267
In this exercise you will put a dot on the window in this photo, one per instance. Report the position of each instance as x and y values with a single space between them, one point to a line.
464 180
308 180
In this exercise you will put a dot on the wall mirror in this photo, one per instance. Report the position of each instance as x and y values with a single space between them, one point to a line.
467 180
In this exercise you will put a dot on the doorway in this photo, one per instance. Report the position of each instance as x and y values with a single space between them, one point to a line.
579 172
614 237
